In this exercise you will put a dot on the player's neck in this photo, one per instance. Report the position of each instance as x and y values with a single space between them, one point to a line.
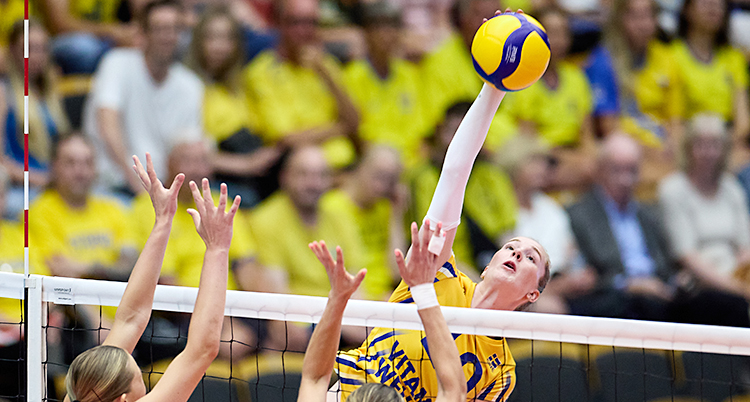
490 299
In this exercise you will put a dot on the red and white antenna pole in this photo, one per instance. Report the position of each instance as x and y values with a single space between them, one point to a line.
26 138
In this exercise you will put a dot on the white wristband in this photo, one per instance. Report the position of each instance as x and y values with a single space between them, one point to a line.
424 296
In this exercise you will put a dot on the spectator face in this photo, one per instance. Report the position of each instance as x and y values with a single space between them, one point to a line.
558 33
619 169
383 38
162 33
706 15
38 52
516 269
299 23
74 169
707 152
533 174
191 159
639 23
306 177
379 174
473 14
218 45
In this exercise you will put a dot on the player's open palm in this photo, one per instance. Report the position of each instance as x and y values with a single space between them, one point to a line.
163 199
423 263
343 284
213 223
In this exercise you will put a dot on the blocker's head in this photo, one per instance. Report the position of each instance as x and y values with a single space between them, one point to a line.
520 271
104 374
375 392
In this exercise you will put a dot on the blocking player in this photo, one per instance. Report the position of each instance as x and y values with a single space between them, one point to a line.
418 274
108 373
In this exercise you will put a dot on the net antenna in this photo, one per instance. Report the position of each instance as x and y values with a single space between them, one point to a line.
32 305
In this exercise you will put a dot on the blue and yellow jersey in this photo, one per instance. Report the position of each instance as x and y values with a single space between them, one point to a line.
401 359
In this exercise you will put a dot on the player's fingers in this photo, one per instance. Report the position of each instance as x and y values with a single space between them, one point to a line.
177 182
222 198
150 168
437 241
141 172
400 262
359 277
196 217
414 237
426 233
508 10
326 253
519 11
235 206
208 199
197 197
339 258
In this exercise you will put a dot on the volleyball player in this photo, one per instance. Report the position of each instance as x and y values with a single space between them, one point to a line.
514 278
108 373
418 273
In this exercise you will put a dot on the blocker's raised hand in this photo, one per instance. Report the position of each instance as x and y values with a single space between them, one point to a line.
423 264
213 223
163 199
343 284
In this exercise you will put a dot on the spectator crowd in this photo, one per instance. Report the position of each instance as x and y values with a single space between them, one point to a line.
629 160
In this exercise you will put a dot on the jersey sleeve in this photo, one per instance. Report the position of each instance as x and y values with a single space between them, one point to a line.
447 271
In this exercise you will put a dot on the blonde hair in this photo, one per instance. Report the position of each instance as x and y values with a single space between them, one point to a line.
99 374
375 392
703 124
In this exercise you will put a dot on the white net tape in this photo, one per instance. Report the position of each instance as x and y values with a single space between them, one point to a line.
521 325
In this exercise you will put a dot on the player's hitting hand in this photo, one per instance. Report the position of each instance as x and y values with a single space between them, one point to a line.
343 284
507 10
163 199
423 264
213 223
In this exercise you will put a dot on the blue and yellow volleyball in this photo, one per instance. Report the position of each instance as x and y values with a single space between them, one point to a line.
510 51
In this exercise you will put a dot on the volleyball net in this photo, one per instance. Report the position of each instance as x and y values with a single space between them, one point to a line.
557 358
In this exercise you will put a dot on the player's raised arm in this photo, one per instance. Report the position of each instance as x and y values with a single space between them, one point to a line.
134 310
214 225
419 273
321 351
448 200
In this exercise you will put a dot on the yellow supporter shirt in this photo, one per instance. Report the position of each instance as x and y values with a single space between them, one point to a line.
559 113
709 87
183 258
374 229
224 112
11 260
287 99
401 358
490 201
96 234
11 11
103 11
393 111
282 240
655 97
449 76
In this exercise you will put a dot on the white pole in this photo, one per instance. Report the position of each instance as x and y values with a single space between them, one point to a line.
35 382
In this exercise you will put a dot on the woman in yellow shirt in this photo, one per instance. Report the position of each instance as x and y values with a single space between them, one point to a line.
712 75
649 92
559 108
216 56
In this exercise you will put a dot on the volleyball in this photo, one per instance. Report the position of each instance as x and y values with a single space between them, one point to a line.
510 51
